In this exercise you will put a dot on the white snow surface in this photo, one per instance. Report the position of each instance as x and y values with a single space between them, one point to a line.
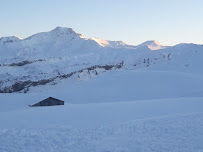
153 103
174 124
116 112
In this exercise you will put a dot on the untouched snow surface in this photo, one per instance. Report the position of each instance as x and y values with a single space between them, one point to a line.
144 126
92 119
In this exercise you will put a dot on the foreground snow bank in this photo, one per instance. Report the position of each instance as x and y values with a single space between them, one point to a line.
162 125
96 115
175 133
129 115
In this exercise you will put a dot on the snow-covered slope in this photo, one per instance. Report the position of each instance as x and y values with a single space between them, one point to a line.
163 125
117 97
61 53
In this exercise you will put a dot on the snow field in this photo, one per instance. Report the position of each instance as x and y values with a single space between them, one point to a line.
175 133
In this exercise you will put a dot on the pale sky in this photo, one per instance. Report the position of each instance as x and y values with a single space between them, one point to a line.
132 21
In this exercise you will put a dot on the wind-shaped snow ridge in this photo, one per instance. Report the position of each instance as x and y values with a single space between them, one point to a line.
107 43
67 35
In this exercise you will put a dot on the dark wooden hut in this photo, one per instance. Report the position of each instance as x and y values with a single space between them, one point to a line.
48 102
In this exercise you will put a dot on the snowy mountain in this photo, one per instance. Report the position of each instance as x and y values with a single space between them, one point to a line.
118 97
10 39
153 45
112 44
50 57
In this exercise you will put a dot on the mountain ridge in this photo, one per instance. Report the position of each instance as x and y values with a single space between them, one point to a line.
51 57
70 34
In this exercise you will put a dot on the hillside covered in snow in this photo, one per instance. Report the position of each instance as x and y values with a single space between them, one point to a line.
50 57
118 97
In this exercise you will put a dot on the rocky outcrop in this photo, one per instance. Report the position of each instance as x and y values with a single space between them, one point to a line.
22 63
25 85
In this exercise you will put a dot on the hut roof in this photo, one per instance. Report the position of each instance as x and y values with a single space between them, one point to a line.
50 101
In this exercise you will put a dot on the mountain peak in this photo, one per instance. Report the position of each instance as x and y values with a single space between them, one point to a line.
152 42
57 33
9 39
63 30
152 45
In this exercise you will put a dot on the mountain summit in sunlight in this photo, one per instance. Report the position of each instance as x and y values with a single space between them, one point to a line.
153 45
64 31
107 43
69 38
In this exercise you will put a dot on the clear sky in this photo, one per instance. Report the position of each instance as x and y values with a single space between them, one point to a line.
132 21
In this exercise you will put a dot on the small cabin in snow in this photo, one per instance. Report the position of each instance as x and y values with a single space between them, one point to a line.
48 102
